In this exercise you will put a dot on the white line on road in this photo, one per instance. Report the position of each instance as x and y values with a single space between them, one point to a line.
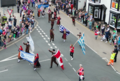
70 64
51 47
46 41
3 70
44 60
118 73
55 46
66 59
38 31
74 69
49 44
113 68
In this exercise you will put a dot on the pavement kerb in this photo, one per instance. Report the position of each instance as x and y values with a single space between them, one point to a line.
20 38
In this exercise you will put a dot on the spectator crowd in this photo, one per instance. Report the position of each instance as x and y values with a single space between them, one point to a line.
10 30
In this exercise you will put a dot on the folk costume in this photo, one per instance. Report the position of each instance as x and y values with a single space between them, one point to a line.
73 20
36 62
49 15
52 22
55 15
39 12
20 49
58 20
27 47
51 35
64 34
53 58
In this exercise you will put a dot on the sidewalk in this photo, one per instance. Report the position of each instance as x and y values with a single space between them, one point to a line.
102 49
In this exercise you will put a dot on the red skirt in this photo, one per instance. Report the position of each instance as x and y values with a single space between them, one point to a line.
58 22
64 36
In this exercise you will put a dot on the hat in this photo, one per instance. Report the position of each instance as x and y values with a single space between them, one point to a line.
80 64
53 49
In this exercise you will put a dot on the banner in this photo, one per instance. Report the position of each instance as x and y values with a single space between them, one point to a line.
82 43
27 56
30 42
44 6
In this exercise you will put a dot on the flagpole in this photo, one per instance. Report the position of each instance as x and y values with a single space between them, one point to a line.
75 42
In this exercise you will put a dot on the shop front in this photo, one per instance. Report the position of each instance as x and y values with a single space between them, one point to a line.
98 11
114 20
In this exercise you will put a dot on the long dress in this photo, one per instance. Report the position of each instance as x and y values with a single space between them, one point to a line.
20 49
39 12
58 21
36 62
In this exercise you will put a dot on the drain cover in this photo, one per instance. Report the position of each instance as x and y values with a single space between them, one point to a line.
104 52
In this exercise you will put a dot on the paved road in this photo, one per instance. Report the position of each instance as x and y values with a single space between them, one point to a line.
95 67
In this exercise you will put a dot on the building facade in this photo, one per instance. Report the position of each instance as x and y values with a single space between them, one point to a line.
105 10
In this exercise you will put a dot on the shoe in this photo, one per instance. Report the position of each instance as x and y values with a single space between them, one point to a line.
18 60
34 69
71 58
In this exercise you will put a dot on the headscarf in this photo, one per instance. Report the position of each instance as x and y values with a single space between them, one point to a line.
20 48
37 56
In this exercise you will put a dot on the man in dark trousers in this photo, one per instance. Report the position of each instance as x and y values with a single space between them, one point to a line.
51 34
15 21
53 58
27 47
116 51
52 22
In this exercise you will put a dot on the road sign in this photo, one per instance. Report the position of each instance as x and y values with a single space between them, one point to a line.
9 11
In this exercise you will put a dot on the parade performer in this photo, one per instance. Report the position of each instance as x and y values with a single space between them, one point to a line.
36 62
71 51
49 15
73 20
64 34
111 59
39 13
27 47
53 58
55 15
51 35
43 13
81 73
79 35
20 49
58 20
52 22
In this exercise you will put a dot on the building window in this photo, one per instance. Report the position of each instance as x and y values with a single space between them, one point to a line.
90 10
115 4
113 18
118 22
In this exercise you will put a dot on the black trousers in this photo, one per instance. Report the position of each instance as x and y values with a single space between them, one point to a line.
71 54
53 59
115 59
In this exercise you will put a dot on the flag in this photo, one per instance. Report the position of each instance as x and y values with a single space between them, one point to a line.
41 8
61 28
59 59
27 56
30 42
82 43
